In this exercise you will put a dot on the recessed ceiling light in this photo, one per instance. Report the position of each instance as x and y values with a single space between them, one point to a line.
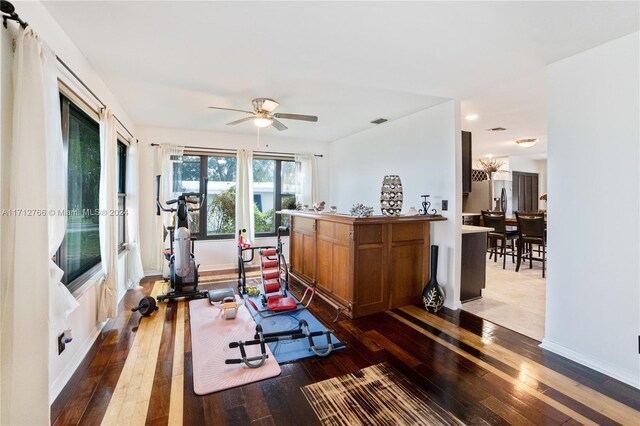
472 117
489 155
496 129
527 143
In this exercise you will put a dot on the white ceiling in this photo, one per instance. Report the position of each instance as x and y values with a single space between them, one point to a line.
348 63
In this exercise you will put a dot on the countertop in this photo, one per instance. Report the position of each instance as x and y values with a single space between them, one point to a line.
469 229
345 218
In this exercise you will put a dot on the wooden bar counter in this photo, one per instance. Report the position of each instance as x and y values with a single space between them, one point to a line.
364 265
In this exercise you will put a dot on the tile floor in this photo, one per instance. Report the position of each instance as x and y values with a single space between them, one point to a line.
515 300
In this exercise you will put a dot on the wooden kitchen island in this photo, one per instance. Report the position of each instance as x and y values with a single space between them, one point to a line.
364 265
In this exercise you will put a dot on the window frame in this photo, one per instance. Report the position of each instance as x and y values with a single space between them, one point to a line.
277 195
204 158
123 150
66 105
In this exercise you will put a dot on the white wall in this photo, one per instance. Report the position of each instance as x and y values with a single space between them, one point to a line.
83 319
85 331
593 284
424 150
211 254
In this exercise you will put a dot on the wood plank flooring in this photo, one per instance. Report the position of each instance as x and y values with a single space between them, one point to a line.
139 372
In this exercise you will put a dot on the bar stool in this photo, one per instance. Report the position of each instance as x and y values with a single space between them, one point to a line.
497 221
531 232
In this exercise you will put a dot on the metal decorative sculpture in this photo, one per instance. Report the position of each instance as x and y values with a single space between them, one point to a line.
425 207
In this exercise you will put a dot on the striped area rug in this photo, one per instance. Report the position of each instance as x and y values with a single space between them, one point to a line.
376 395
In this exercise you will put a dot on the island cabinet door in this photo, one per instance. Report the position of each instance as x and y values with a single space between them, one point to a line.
303 247
333 259
370 270
409 257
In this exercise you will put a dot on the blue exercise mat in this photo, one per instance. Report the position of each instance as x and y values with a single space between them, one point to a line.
290 350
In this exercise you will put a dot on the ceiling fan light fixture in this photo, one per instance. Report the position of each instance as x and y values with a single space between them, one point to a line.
262 121
527 143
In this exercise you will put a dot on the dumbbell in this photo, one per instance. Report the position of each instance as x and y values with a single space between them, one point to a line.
146 306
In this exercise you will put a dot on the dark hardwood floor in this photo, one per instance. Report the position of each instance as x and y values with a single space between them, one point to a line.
480 372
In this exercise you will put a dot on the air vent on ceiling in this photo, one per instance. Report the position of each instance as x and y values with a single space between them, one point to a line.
496 129
379 121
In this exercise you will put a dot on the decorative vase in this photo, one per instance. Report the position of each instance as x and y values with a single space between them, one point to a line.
391 196
432 295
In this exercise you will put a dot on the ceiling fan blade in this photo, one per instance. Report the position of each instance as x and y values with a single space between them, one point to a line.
242 120
295 116
232 109
278 125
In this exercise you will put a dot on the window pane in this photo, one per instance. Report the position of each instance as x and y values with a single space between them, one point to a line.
194 213
287 201
82 238
186 175
288 175
264 195
122 167
121 220
221 195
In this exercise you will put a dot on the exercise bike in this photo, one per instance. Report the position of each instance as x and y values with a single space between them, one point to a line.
183 267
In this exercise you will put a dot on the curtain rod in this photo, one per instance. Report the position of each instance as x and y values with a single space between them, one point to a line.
203 148
9 9
93 94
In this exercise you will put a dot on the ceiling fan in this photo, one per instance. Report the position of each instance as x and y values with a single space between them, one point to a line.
263 116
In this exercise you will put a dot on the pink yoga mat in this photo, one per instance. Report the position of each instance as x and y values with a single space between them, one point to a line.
210 337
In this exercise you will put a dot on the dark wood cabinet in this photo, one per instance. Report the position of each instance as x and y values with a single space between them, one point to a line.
466 162
525 192
365 265
473 267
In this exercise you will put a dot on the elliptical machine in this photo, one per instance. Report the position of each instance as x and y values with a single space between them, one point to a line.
183 267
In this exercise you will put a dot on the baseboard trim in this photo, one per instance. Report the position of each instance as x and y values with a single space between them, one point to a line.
594 363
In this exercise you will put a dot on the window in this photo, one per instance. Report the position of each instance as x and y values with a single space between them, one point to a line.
122 195
80 250
273 185
186 180
273 189
221 196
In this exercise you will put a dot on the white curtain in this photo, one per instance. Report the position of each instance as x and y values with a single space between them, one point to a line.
135 271
306 181
169 155
108 305
244 194
33 298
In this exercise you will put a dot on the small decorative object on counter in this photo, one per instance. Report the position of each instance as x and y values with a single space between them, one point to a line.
292 205
432 295
425 211
318 207
391 195
412 212
360 210
334 209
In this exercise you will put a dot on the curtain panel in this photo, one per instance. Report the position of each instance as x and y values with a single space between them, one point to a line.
37 182
306 181
244 194
134 269
108 221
